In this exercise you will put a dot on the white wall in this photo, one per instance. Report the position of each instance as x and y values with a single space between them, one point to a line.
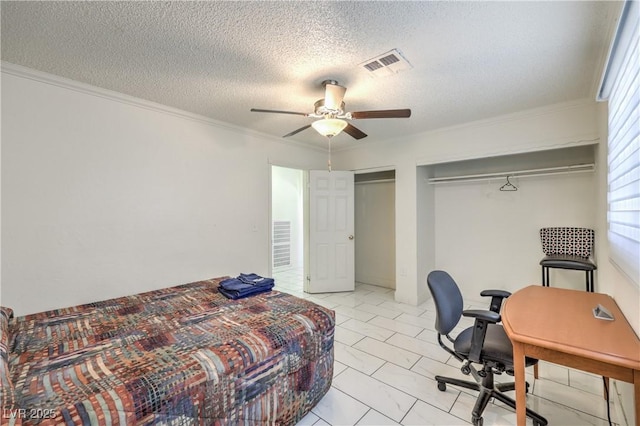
375 248
287 205
551 127
104 195
425 230
486 238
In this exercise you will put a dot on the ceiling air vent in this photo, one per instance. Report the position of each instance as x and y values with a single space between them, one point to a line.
372 66
388 63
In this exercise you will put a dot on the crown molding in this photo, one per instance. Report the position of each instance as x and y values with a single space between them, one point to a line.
65 83
486 122
111 95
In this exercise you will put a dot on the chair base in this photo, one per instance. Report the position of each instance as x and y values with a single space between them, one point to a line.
487 390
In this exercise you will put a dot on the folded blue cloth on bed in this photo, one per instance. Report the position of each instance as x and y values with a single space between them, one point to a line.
245 285
246 281
255 279
239 294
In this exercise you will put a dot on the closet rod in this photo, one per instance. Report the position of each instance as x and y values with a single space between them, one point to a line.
375 181
516 173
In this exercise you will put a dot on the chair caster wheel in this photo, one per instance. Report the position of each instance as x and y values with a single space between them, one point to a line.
442 386
477 421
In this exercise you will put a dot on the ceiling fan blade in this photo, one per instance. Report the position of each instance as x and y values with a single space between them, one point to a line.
279 112
354 132
297 131
386 113
333 95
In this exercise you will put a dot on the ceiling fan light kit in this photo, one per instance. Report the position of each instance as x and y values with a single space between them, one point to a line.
323 109
329 127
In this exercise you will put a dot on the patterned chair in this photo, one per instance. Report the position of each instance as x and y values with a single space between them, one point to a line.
568 248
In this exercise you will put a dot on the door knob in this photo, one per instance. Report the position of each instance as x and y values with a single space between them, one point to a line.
351 237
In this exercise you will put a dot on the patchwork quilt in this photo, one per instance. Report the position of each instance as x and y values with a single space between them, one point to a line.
184 355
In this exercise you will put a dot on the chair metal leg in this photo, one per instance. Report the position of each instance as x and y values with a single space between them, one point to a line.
457 382
505 387
587 283
537 418
589 279
547 276
481 404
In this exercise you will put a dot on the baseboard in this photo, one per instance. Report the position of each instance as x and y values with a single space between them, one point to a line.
378 281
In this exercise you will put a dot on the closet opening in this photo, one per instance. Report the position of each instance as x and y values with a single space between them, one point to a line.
375 242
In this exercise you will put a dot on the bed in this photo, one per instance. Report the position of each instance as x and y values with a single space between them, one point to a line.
183 355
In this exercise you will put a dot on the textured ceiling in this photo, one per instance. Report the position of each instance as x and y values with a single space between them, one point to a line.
471 60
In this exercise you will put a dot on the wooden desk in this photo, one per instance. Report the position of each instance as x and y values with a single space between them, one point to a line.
558 325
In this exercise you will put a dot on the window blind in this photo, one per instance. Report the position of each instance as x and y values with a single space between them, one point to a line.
621 86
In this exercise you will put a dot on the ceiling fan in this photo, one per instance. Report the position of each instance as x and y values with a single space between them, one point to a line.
331 114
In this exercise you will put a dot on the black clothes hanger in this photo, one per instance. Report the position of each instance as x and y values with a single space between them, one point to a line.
508 186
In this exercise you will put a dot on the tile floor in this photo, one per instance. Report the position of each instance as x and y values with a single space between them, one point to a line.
386 356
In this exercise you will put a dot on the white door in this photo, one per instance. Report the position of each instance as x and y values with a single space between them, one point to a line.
331 232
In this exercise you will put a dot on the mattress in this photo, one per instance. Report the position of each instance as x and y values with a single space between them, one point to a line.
183 355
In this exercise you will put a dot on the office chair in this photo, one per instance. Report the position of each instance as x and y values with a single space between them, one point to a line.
485 343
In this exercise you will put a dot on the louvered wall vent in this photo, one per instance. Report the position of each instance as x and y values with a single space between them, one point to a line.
388 63
281 243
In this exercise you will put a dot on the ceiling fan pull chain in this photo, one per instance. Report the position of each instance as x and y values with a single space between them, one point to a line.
329 159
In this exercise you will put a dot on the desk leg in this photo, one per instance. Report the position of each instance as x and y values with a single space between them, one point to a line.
636 393
518 369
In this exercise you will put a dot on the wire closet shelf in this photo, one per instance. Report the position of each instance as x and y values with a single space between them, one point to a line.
547 171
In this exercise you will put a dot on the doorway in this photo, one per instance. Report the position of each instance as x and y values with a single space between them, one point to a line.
288 228
374 202
375 250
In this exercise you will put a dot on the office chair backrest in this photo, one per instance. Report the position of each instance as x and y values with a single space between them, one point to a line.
448 300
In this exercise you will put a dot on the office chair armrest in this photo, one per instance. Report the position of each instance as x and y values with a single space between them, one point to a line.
500 293
496 298
482 315
482 320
